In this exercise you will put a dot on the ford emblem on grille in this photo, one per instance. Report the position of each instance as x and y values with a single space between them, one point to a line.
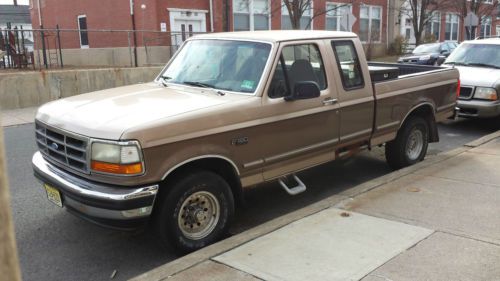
54 145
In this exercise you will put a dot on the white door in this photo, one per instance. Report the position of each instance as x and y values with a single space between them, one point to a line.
498 30
183 29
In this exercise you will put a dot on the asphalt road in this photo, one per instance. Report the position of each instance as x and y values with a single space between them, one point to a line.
55 245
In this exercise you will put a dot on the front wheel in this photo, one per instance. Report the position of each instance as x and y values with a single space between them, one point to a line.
410 145
196 212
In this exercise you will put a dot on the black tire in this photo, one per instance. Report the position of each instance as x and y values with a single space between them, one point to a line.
174 209
399 152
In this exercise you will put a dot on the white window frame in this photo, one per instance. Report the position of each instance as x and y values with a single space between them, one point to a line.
79 30
486 21
328 15
436 18
284 11
370 8
451 22
251 14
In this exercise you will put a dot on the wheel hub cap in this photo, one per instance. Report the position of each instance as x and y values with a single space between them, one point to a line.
199 215
415 144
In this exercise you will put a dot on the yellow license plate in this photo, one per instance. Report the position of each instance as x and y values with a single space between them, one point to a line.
53 195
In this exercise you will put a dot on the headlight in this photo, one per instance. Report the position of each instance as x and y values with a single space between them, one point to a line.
485 93
427 57
123 158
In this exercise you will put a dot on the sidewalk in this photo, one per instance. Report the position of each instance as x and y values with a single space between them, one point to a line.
437 220
16 117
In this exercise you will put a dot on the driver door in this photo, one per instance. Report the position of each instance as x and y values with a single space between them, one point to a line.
303 133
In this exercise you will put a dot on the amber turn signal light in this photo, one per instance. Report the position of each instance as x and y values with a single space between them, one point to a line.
121 169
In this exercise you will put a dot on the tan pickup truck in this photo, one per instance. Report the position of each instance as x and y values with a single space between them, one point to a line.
228 112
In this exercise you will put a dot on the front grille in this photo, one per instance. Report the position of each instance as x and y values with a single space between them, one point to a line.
466 93
62 147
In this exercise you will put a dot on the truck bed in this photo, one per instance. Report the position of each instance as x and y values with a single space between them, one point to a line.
430 85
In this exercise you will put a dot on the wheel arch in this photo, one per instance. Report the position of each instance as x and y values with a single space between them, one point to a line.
220 165
427 111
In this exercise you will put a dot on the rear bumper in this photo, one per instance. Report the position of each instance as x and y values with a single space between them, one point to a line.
478 108
107 205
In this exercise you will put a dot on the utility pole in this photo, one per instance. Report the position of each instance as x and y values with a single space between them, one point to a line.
133 30
9 263
42 35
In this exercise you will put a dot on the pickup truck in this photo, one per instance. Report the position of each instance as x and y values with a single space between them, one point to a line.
478 62
228 112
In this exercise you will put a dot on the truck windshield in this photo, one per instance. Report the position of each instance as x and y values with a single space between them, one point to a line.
485 55
235 66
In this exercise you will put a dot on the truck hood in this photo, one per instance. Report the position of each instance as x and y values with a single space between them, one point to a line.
108 113
479 76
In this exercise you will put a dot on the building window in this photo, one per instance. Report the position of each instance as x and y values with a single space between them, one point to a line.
82 27
334 12
451 32
305 20
250 15
498 10
485 27
433 27
370 23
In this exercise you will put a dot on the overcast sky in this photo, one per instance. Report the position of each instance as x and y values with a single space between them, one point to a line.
20 2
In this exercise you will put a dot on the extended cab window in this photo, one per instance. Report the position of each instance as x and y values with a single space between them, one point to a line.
297 63
348 64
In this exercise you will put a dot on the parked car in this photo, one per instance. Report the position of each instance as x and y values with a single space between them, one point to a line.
479 64
429 54
228 112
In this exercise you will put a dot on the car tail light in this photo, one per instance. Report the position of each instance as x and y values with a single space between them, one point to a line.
458 88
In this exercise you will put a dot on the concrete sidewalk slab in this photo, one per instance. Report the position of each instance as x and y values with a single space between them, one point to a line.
468 167
325 246
209 271
443 257
492 147
442 204
18 116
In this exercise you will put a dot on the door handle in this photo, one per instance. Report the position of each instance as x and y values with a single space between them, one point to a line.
329 101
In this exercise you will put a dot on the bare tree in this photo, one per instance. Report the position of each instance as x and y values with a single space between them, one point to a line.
422 12
297 8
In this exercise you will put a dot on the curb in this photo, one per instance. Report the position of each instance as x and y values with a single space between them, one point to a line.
184 263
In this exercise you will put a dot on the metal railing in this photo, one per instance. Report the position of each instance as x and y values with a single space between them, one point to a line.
58 48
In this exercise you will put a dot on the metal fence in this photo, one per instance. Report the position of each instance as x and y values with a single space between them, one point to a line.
59 48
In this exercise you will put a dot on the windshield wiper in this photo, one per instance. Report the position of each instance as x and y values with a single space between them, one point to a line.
203 85
164 80
456 63
484 64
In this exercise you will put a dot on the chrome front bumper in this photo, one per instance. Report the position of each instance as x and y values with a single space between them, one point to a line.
478 108
113 206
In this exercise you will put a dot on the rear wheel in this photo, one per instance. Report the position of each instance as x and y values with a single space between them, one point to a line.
196 212
410 145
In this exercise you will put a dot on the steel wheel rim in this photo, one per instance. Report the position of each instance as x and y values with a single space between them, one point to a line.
199 215
415 144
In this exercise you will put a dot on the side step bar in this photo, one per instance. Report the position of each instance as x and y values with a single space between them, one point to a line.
299 188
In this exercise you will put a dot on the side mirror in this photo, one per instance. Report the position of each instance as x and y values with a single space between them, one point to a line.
440 60
304 90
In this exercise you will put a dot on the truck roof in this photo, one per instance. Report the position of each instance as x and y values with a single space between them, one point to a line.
276 35
490 41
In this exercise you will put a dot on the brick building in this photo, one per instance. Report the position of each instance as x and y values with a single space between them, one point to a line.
174 20
447 22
